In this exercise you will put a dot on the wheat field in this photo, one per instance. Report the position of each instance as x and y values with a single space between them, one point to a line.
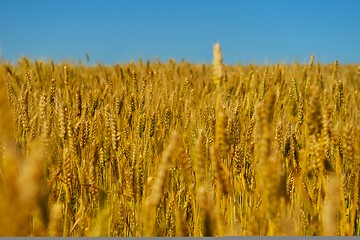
179 149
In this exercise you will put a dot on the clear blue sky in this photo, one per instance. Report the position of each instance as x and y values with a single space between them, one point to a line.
251 31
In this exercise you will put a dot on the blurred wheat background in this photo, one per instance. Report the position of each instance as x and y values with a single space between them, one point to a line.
179 149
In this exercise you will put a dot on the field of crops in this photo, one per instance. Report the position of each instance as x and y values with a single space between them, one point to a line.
179 149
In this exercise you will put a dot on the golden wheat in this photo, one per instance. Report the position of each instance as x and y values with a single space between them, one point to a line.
179 149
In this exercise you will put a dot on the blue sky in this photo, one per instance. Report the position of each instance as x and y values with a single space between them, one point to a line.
249 31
